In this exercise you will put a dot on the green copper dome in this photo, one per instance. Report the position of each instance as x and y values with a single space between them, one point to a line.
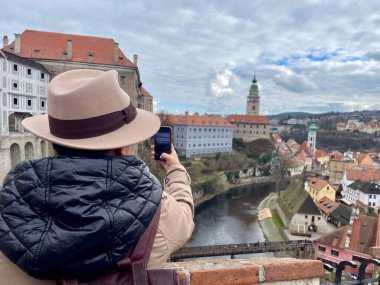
254 90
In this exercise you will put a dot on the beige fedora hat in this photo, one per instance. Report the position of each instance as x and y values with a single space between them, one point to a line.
87 109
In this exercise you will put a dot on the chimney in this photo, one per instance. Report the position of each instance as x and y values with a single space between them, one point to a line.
5 41
135 58
116 53
69 49
17 49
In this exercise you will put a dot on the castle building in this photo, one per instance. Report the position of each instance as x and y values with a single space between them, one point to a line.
28 64
23 89
253 99
59 52
250 127
200 136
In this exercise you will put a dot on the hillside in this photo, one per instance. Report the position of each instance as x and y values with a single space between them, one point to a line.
205 171
334 140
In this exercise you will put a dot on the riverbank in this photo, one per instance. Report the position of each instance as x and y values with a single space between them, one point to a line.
268 226
223 186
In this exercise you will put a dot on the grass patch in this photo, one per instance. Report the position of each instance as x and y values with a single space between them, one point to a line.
276 219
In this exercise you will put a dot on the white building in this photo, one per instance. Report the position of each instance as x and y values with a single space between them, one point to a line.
197 136
365 192
23 89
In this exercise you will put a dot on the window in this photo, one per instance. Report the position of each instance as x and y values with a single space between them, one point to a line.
15 85
42 75
29 71
321 248
357 258
15 67
305 216
370 196
42 104
29 102
335 252
15 101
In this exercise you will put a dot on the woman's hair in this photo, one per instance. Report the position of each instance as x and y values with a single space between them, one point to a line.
67 151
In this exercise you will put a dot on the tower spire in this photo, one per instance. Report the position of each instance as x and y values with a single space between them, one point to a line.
253 99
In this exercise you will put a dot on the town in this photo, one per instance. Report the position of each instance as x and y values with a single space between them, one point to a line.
323 194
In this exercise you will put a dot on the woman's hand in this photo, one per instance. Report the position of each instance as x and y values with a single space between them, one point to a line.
167 160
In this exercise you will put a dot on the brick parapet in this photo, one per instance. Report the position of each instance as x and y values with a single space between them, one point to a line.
251 271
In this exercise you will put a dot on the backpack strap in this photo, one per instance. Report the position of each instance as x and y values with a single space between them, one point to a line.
139 258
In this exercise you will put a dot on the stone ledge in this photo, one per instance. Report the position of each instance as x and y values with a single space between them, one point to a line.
251 271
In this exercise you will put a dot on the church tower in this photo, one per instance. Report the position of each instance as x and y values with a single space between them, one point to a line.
312 136
253 99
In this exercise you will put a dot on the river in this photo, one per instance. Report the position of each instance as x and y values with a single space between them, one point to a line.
230 217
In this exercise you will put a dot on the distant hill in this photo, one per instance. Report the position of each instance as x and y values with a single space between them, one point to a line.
304 115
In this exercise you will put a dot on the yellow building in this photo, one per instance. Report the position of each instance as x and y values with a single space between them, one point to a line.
319 188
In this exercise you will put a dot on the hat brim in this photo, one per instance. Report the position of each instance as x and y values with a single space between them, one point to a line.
144 126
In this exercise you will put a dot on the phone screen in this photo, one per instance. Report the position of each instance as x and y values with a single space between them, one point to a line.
162 142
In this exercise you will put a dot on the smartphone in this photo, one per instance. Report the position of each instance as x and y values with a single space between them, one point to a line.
162 142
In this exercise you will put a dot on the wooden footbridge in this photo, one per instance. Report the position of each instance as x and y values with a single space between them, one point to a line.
245 248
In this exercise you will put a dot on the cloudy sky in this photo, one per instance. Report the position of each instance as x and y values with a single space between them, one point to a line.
309 55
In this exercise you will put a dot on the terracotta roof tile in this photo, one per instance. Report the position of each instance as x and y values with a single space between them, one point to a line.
327 205
195 120
249 119
145 93
364 174
320 153
363 235
48 45
317 184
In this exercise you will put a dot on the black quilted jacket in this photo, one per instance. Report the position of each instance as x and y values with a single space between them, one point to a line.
75 216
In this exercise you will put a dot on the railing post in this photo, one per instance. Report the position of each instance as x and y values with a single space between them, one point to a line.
364 265
339 270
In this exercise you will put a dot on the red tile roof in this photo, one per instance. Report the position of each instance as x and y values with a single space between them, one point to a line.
363 235
145 93
360 156
317 184
336 155
364 174
53 45
196 120
302 156
320 153
248 119
327 205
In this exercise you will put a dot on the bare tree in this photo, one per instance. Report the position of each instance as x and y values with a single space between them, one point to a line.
281 164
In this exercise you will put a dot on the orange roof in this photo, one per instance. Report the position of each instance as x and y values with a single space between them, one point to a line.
364 174
195 120
145 93
48 45
320 153
317 184
360 156
363 235
249 119
327 205
336 155
302 156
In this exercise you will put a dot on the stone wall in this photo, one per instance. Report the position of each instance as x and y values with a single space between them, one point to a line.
18 147
273 271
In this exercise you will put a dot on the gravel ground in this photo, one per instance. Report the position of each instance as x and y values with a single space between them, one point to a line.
269 228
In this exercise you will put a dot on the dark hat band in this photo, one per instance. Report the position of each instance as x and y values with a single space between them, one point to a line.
92 127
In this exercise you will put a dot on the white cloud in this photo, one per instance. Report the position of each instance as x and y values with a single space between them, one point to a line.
185 48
